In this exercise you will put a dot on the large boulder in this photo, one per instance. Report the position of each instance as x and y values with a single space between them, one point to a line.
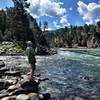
42 51
29 85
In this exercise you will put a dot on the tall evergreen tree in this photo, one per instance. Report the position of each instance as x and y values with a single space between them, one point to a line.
2 21
98 26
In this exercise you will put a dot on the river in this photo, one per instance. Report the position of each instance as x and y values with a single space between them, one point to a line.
71 74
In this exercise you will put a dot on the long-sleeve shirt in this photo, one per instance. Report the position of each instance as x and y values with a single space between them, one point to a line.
30 54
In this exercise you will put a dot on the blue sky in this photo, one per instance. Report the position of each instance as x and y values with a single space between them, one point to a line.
61 13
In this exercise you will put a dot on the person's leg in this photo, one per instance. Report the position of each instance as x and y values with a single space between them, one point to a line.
32 70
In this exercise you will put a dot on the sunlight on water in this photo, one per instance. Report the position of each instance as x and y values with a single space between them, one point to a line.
71 74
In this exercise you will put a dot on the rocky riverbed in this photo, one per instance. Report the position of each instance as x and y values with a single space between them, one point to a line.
72 75
15 83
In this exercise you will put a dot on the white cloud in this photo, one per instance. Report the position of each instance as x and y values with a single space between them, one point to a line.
48 29
56 24
46 8
70 9
50 8
64 21
90 13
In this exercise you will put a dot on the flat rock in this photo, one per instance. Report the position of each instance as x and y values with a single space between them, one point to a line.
13 87
2 64
22 97
25 77
3 95
6 98
3 70
12 81
13 73
19 91
9 98
29 85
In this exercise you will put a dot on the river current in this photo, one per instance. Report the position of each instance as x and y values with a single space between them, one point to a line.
71 74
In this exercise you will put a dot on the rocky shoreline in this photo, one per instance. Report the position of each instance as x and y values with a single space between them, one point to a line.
15 85
12 49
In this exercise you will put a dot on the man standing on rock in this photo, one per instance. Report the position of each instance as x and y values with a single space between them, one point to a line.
31 57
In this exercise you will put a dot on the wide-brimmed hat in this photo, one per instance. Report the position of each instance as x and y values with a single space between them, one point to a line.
29 43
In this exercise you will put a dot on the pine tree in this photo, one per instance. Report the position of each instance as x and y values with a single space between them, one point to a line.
2 21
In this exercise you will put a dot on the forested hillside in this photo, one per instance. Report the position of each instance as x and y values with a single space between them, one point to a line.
17 25
86 36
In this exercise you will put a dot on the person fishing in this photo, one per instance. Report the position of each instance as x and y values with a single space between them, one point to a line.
30 52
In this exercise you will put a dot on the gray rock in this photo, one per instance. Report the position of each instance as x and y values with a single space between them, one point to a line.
33 96
19 91
4 84
13 87
7 43
2 95
25 77
3 70
2 51
22 97
2 64
9 98
12 81
6 98
13 73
